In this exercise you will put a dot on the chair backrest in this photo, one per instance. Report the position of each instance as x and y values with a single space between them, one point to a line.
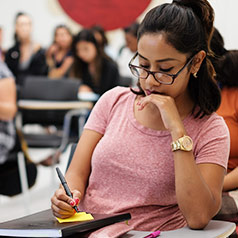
44 89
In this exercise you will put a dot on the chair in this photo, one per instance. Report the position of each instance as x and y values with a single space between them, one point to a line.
50 102
71 154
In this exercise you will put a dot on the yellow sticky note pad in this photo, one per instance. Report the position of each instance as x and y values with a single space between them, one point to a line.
81 216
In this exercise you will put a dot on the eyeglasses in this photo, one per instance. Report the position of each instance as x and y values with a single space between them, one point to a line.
161 77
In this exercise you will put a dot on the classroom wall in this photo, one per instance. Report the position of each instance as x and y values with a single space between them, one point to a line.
46 14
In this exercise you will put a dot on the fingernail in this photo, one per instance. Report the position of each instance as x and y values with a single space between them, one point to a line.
76 201
72 203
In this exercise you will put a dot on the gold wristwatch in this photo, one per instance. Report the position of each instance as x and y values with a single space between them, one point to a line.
184 143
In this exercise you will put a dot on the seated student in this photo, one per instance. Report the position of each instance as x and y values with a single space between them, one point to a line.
59 55
159 153
92 66
9 141
128 51
227 79
26 57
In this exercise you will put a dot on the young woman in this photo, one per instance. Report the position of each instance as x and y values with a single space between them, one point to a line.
59 55
92 66
159 153
26 57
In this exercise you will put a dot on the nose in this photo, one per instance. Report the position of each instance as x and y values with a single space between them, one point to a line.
151 80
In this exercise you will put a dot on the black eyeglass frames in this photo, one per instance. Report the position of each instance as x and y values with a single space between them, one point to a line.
161 77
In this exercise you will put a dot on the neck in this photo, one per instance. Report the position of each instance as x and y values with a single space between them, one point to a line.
184 105
25 41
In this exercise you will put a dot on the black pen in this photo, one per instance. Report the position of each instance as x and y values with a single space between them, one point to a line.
66 187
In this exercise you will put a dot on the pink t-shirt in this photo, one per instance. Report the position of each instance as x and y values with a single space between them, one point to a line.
133 166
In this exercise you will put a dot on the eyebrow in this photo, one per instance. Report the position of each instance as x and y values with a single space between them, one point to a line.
160 60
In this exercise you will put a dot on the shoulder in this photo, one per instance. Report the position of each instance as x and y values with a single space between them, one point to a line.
108 62
211 140
210 128
211 122
115 96
116 93
114 99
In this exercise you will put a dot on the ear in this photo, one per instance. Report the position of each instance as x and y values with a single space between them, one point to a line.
197 61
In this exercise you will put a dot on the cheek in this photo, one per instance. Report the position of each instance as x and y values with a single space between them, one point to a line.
91 55
180 86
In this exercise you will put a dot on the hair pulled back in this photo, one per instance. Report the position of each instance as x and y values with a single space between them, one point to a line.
188 26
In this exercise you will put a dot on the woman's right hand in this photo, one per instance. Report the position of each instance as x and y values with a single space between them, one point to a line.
62 205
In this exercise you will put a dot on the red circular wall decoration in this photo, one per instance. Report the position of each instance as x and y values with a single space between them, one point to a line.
110 14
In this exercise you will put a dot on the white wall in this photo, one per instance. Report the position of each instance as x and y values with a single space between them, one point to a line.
46 14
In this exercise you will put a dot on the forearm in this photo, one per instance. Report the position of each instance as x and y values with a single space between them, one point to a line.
196 200
231 180
75 181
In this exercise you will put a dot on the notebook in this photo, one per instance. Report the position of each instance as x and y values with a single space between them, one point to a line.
44 224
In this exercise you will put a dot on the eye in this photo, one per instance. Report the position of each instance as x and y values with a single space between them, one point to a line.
144 66
166 70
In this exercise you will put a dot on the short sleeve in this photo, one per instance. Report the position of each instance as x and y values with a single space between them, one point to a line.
213 145
100 115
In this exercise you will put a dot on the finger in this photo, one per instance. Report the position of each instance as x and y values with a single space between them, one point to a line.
76 196
62 201
60 194
61 213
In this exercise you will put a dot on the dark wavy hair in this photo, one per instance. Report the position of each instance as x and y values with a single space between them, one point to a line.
132 29
188 27
60 26
79 66
99 29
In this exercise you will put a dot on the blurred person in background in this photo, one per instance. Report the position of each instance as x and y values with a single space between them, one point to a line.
59 55
26 57
10 143
92 66
128 51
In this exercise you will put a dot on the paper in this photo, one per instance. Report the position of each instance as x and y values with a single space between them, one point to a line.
81 216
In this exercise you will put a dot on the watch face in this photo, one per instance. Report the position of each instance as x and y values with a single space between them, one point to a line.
187 143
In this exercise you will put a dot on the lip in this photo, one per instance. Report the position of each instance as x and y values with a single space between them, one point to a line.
148 92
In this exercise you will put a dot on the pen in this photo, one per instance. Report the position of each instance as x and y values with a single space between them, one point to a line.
153 234
65 185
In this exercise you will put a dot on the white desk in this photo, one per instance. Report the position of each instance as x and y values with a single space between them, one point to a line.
74 108
53 105
214 229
